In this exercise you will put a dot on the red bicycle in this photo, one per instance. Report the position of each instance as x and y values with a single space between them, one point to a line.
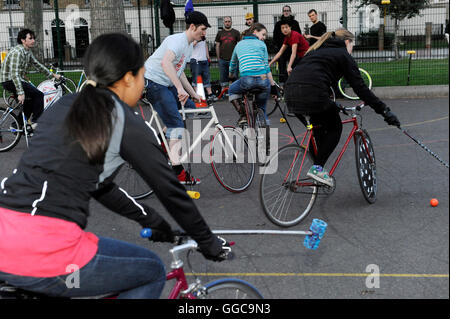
287 195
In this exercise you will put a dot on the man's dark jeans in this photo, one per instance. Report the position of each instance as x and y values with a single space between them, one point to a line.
34 99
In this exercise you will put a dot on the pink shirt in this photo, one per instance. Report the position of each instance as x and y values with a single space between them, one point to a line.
41 246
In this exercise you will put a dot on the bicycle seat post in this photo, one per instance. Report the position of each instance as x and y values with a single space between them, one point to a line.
308 123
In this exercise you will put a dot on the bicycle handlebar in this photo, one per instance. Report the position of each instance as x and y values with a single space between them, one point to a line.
352 109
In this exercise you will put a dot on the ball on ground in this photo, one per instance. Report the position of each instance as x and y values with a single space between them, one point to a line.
434 202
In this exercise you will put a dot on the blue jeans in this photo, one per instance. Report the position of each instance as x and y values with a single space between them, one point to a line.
118 267
246 83
224 69
200 68
165 101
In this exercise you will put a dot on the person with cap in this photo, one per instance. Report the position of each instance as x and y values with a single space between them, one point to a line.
249 19
278 38
168 87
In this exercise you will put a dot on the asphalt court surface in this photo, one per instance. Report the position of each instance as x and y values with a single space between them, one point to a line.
400 235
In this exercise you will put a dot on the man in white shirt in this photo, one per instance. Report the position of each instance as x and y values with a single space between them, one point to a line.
168 87
200 66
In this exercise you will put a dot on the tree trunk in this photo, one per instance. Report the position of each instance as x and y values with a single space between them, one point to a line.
396 41
33 20
107 16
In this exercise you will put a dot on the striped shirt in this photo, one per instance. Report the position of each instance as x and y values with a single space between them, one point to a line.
252 57
16 64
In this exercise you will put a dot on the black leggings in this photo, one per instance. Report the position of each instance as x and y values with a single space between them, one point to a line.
327 136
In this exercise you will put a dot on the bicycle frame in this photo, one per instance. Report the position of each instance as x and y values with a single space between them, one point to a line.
308 137
213 122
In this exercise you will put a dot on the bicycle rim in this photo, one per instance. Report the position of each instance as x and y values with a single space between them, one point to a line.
233 164
230 289
366 166
347 91
10 131
286 198
131 182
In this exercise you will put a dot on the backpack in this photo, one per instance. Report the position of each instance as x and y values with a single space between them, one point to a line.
167 13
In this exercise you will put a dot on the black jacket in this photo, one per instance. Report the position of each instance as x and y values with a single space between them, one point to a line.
54 177
278 36
321 69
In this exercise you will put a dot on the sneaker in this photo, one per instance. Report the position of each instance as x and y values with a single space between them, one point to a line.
186 179
319 174
212 98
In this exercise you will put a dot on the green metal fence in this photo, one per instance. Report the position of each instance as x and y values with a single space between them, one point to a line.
65 28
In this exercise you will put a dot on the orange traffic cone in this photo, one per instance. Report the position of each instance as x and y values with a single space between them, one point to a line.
201 91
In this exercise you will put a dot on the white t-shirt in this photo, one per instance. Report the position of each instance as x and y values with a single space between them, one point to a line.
179 45
199 52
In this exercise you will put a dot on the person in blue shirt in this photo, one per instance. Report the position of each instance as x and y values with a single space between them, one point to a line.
250 54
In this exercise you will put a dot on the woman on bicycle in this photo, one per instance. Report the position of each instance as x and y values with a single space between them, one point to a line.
307 93
253 60
78 147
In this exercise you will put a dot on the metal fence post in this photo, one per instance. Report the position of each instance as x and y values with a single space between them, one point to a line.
158 34
255 10
344 13
58 36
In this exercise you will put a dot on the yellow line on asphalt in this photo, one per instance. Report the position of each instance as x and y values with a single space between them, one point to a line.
316 275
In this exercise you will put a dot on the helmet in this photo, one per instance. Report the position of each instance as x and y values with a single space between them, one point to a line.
249 15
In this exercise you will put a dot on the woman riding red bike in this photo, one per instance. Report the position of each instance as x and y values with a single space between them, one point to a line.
78 148
307 92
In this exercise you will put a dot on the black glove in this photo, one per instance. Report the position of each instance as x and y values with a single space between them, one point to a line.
223 253
162 233
390 118
274 90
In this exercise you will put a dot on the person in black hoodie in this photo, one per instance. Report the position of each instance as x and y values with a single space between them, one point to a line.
78 148
307 93
278 38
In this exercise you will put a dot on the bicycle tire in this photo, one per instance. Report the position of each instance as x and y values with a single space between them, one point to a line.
262 131
234 174
366 166
10 132
131 182
285 201
230 288
346 89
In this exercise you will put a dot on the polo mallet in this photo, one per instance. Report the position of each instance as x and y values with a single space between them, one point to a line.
425 148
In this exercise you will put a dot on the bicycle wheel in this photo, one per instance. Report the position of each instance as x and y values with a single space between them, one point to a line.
82 86
131 182
347 90
229 288
366 166
262 131
232 160
10 131
68 86
287 195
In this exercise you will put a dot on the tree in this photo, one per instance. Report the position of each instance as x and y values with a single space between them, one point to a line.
397 10
33 20
107 16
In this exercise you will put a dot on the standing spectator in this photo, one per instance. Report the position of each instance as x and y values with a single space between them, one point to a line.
249 19
296 42
317 29
226 40
200 66
278 38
